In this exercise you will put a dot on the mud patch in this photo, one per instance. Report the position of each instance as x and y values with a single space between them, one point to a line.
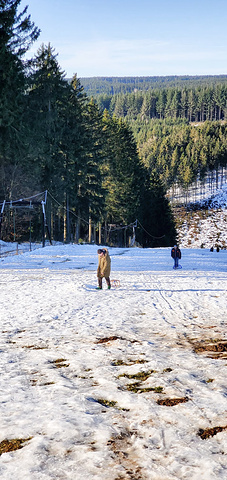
210 432
109 339
126 456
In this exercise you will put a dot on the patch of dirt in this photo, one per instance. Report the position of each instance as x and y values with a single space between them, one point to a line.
171 402
210 432
11 445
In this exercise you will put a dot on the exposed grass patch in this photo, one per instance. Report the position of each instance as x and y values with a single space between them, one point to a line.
167 370
128 363
218 347
171 402
59 363
142 376
106 403
13 444
137 388
210 432
110 404
45 384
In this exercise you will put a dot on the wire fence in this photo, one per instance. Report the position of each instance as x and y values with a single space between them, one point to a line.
7 249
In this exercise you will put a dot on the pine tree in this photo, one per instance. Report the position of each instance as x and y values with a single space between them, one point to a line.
48 92
124 172
91 193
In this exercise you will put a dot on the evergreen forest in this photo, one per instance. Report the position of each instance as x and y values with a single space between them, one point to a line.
98 164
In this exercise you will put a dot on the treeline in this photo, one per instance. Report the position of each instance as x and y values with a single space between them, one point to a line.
54 137
95 86
196 104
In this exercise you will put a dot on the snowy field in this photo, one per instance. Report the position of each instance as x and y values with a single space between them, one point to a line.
127 383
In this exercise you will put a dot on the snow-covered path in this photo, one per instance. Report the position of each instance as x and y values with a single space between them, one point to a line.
90 377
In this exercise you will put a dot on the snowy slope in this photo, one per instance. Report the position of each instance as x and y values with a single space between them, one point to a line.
206 227
90 377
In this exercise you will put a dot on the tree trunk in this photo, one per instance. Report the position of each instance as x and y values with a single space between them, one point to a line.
78 227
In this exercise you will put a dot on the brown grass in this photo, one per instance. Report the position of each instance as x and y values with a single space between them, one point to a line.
13 444
171 402
214 348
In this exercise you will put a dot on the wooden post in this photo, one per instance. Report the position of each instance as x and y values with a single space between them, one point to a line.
105 232
100 233
89 230
94 234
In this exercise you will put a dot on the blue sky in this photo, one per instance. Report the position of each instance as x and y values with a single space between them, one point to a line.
133 37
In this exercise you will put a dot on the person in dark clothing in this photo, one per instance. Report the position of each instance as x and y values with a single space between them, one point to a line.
176 255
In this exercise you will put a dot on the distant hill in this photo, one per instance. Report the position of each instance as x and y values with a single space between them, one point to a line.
94 86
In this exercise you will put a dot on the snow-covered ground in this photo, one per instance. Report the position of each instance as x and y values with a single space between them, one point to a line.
110 385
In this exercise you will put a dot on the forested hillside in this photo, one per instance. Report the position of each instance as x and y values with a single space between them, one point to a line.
113 85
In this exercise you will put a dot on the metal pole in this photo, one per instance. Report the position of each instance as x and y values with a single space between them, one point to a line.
43 225
1 216
30 233
14 226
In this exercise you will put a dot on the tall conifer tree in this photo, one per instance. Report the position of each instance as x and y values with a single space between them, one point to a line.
17 33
